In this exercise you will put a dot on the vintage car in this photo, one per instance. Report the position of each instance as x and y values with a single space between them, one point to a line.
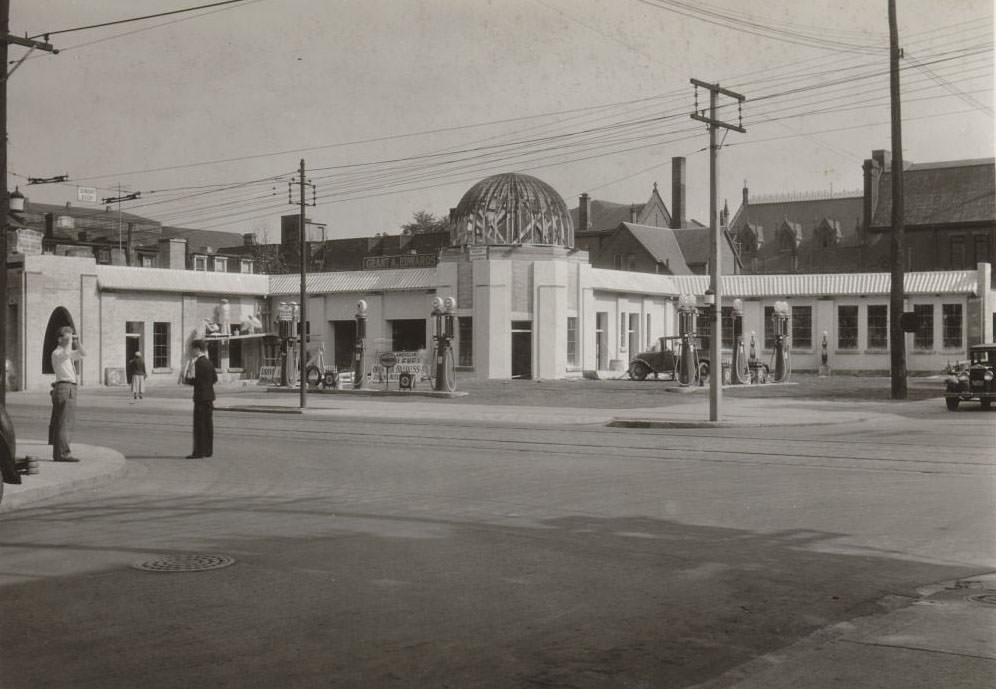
662 360
973 379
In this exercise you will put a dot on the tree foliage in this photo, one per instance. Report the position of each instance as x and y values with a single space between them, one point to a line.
423 222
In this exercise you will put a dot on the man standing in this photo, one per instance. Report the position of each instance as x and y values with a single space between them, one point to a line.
203 377
64 392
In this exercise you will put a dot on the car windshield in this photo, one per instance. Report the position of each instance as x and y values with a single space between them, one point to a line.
983 356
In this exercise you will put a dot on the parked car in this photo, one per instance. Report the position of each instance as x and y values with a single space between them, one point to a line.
662 360
973 379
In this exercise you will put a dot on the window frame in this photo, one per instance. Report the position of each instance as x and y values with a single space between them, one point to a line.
161 345
925 325
848 328
959 340
874 330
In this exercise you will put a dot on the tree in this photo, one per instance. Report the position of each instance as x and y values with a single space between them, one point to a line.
423 222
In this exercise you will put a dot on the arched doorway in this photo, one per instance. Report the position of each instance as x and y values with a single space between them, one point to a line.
60 317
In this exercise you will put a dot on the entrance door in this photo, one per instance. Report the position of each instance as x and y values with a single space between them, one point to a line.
601 341
408 335
344 344
522 349
133 343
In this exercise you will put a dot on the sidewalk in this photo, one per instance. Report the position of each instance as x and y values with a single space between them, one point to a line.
96 465
686 413
945 638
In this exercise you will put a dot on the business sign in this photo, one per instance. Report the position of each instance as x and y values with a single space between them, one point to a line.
478 253
28 242
402 261
86 194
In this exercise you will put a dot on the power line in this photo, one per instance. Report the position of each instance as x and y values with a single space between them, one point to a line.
46 34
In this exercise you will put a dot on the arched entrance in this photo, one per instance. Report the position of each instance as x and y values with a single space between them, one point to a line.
60 317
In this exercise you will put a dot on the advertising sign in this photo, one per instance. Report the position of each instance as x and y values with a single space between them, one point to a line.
86 194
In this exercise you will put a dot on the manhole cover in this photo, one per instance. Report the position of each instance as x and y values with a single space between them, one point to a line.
984 598
198 562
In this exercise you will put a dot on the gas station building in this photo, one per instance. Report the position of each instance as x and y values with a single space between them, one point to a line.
528 305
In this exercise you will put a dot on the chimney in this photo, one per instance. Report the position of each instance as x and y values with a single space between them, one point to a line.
677 192
249 239
172 253
872 170
746 197
584 212
632 213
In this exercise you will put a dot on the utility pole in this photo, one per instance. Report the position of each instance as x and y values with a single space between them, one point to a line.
897 336
5 40
303 337
118 199
716 232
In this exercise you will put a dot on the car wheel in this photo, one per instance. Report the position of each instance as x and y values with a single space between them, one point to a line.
704 373
639 370
952 403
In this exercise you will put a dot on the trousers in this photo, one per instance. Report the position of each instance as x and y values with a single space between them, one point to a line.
63 417
203 428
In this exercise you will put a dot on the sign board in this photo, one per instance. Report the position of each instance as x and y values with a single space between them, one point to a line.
402 261
478 253
285 312
86 194
388 360
909 322
28 242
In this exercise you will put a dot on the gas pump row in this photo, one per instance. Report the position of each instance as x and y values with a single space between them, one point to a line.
443 363
745 367
444 367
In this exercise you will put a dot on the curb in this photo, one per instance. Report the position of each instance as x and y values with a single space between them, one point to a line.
370 392
99 463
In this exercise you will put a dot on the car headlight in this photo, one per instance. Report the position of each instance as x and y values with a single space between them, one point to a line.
963 377
953 380
987 376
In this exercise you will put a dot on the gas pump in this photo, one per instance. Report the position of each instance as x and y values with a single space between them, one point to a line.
781 324
741 368
688 361
824 357
285 331
442 315
359 348
758 371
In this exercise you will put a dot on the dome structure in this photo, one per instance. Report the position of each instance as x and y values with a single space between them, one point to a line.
511 209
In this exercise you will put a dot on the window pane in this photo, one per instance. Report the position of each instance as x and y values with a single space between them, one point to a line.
802 327
951 323
160 345
465 336
923 338
769 327
572 341
847 327
727 327
878 326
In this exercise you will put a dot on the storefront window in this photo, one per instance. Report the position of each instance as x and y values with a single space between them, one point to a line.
951 321
802 327
923 338
847 327
878 326
572 341
465 335
160 345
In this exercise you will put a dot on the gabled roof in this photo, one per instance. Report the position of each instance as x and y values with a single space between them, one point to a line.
808 213
606 215
941 193
696 246
661 243
197 240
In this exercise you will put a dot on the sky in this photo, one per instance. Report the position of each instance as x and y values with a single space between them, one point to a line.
402 105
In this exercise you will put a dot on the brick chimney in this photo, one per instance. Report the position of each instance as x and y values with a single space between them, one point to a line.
172 253
677 192
633 213
881 161
584 212
249 239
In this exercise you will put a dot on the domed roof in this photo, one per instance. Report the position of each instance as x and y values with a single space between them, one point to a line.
512 209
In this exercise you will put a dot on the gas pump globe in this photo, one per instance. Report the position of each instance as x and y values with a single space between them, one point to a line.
781 326
360 346
688 363
442 316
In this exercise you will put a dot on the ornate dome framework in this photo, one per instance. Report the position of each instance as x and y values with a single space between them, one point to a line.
512 209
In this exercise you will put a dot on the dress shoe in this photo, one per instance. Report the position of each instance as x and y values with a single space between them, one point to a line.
67 458
195 457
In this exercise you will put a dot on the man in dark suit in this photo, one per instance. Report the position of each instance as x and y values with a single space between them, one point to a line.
202 377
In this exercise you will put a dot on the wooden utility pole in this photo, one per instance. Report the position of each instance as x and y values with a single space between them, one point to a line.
5 40
303 338
716 232
897 337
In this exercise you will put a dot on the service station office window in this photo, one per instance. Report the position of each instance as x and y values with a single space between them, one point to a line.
951 326
160 345
200 263
847 327
923 338
878 326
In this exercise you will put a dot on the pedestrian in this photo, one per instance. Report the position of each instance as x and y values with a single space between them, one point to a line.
64 393
202 376
136 375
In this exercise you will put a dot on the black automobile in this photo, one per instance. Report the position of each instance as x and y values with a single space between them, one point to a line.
662 360
973 379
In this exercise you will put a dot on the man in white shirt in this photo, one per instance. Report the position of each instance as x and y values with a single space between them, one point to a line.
64 392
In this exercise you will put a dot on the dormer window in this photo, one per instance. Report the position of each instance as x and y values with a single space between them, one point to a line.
828 233
220 264
789 236
200 263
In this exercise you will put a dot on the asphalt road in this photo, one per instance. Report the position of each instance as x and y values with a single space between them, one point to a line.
396 554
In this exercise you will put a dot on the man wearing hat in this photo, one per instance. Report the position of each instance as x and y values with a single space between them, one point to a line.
203 377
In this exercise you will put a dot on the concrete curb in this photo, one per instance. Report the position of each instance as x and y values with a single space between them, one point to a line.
97 465
372 392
